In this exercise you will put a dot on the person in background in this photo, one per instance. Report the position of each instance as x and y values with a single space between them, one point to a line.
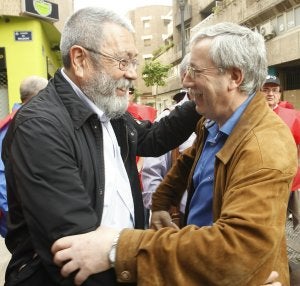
155 168
272 91
238 184
286 104
70 152
29 87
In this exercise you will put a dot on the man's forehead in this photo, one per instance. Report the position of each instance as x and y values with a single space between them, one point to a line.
119 40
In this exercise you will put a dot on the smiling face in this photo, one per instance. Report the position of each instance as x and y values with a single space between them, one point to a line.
215 91
106 74
108 86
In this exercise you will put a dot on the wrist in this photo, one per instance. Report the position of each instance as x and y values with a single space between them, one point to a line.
113 251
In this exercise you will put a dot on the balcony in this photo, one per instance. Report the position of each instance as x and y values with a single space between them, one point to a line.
207 3
187 15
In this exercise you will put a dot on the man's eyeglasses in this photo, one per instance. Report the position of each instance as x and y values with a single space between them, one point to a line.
123 63
193 72
269 90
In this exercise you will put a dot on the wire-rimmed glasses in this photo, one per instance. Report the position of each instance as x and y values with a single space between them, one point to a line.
123 63
193 72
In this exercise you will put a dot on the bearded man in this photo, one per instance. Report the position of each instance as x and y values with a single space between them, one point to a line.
70 152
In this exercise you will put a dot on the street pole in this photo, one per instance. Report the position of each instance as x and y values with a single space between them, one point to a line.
181 7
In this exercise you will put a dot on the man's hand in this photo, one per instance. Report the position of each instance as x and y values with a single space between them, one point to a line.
87 253
271 279
160 219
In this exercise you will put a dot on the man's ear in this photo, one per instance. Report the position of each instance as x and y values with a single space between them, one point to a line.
78 60
236 78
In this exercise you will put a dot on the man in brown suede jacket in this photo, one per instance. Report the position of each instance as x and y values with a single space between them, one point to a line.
237 178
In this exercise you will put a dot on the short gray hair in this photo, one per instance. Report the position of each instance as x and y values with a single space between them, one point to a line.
237 46
184 64
31 86
85 28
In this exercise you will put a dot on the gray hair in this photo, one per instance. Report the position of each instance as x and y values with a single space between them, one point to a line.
237 46
184 64
85 28
31 86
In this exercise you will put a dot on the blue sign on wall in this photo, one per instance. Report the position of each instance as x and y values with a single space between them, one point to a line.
23 36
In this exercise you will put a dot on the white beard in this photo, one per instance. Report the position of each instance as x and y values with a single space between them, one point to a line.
101 89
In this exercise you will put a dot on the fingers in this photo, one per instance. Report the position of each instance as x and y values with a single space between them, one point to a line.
80 277
61 257
160 219
68 268
61 243
174 225
271 279
273 276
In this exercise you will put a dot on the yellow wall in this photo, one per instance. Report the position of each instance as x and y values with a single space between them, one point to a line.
25 58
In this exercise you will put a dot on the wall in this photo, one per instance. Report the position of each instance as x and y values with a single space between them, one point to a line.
24 58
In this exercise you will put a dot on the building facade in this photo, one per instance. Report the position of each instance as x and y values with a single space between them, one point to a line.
29 43
152 27
277 20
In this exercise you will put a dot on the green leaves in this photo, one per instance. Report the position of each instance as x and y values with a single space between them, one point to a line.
155 73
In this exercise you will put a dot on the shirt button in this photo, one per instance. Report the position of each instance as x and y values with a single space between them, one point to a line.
125 275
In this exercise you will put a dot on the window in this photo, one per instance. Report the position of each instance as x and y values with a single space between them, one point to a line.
187 32
297 16
280 24
146 24
290 22
146 21
147 57
147 42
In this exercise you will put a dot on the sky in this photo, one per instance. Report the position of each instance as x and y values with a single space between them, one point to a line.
119 6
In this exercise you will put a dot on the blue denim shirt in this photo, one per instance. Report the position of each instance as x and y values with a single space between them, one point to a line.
200 208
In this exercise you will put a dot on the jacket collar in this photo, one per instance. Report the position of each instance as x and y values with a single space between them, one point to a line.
77 109
253 114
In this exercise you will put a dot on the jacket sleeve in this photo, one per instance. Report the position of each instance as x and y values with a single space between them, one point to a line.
54 200
155 139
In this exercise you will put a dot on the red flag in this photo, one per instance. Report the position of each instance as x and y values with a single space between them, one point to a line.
142 112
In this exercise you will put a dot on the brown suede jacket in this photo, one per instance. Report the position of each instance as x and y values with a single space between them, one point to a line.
253 175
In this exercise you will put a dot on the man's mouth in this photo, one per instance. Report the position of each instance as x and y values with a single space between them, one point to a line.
122 91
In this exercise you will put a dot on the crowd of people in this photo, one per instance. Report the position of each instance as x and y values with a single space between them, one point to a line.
76 210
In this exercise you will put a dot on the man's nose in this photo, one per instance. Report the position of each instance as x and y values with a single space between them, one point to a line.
188 81
131 73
